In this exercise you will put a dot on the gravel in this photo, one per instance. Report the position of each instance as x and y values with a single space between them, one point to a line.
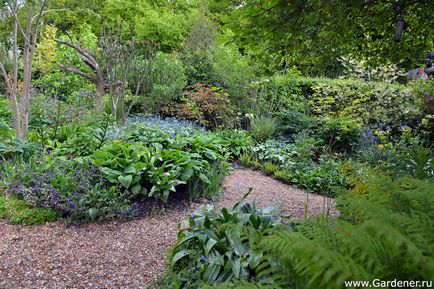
129 254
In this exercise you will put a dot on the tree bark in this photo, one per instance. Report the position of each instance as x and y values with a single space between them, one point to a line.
21 106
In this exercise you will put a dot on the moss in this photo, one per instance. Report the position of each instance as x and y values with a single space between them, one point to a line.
16 211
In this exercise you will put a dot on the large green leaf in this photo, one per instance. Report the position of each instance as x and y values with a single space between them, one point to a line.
126 180
180 255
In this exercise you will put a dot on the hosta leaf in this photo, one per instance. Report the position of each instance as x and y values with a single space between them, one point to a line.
126 180
92 212
187 174
236 267
204 178
130 169
136 189
211 273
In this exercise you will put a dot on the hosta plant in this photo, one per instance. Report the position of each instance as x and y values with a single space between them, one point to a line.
222 246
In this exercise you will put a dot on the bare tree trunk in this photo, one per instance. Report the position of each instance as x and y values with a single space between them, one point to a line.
21 106
14 85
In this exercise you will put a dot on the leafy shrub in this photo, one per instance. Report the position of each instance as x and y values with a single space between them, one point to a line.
150 172
16 211
341 134
263 127
233 72
208 106
167 82
301 164
274 151
198 54
294 121
5 111
220 247
395 105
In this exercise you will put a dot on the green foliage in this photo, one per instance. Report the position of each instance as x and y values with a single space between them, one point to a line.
232 71
263 128
57 83
150 172
312 35
9 145
221 246
75 190
421 162
384 232
301 164
167 82
294 121
391 217
198 54
340 134
16 211
208 106
164 23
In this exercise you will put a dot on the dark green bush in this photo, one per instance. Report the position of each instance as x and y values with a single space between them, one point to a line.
167 82
293 121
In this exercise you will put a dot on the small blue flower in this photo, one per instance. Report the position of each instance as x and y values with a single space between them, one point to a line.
204 259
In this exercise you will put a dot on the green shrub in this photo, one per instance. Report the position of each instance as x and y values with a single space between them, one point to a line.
16 211
263 128
167 82
233 72
301 164
198 54
294 121
340 134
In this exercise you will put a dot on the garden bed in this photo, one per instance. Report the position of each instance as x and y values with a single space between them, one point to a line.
129 254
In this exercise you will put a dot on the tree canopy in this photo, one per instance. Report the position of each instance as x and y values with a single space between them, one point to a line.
313 33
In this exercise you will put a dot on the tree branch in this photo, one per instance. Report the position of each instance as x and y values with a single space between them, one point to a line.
38 19
77 71
91 60
6 78
14 14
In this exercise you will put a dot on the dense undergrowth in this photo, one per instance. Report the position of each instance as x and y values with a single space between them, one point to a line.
384 232
110 177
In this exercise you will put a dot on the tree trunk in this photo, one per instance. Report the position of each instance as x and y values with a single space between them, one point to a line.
99 97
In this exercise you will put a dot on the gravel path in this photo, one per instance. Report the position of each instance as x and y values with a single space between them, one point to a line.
123 255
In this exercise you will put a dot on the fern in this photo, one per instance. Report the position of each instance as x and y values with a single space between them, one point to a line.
385 232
